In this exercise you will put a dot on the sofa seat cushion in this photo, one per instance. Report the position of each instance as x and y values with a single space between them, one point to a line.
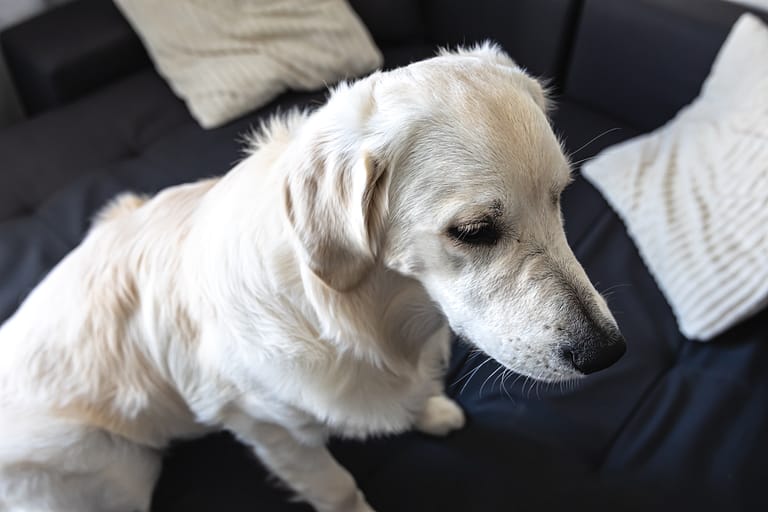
700 429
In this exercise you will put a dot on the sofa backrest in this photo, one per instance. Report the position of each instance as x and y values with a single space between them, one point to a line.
87 43
392 22
641 61
536 33
69 51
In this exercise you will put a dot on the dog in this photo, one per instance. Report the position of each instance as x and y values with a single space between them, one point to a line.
310 291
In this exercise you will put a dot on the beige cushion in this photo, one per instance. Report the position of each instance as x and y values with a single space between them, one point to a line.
694 193
227 57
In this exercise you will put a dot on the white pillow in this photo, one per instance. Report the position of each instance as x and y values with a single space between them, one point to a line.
694 193
760 4
227 57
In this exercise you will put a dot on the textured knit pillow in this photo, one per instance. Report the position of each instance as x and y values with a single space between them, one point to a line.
227 57
694 193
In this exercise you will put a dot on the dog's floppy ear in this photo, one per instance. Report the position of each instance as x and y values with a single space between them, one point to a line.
336 196
492 52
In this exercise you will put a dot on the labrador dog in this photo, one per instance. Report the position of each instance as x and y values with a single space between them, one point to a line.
308 292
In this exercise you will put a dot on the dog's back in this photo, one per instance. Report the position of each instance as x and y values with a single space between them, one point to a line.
121 205
84 393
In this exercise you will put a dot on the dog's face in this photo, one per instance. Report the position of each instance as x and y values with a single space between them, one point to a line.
459 177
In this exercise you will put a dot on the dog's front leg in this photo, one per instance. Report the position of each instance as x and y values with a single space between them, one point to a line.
303 463
440 416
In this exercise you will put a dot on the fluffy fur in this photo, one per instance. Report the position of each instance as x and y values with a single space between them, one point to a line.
307 292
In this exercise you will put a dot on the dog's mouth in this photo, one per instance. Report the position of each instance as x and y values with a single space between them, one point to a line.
568 360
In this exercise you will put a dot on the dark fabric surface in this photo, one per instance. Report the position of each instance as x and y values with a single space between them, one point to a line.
42 154
584 134
392 22
643 60
28 250
11 204
675 425
536 32
70 51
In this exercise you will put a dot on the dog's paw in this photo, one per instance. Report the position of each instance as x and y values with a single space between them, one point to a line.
356 503
440 416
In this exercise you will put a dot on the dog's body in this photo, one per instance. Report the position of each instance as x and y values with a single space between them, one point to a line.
287 301
132 354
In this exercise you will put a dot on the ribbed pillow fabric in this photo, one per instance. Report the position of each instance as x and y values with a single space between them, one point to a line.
760 4
694 193
227 57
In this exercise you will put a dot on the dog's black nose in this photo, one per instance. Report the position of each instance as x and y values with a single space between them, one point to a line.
595 352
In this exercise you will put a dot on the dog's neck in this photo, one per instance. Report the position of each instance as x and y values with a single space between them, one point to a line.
385 320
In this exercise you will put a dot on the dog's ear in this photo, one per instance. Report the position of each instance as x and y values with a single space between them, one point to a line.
492 52
336 197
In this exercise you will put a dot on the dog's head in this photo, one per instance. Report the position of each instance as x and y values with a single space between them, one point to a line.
447 171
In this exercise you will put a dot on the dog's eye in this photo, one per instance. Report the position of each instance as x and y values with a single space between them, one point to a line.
475 233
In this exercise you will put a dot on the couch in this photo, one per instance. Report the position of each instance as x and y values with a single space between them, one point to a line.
675 424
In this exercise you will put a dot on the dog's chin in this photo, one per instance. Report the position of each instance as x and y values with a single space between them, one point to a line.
549 376
550 372
546 373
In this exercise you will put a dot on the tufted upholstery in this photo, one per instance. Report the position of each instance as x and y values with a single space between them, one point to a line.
673 424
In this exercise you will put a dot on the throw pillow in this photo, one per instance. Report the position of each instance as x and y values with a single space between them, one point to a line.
228 57
694 193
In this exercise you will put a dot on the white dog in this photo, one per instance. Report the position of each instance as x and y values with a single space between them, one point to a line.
308 292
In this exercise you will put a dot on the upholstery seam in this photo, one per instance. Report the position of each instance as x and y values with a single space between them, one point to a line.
564 66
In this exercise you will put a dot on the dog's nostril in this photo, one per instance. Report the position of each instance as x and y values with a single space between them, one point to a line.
589 357
568 356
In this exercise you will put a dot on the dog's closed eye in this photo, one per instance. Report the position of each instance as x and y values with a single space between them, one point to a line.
482 232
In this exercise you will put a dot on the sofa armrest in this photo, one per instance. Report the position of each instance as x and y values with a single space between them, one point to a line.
69 51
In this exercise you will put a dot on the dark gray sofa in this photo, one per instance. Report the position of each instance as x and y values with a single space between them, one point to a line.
676 424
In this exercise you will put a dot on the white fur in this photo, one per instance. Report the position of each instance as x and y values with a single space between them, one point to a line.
303 294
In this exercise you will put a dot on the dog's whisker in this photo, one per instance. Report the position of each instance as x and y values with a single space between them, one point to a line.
519 376
480 393
504 384
499 378
582 161
473 374
593 139
614 287
530 388
473 355
469 360
470 372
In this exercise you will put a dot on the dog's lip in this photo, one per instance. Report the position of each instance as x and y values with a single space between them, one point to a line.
567 373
